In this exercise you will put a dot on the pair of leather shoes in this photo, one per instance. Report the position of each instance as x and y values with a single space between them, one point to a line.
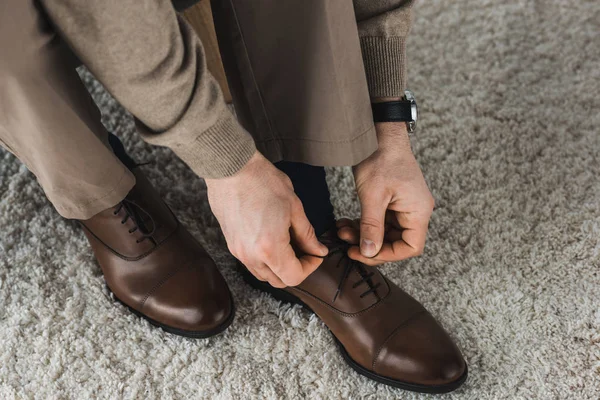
155 267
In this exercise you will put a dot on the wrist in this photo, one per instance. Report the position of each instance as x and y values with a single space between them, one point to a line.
392 135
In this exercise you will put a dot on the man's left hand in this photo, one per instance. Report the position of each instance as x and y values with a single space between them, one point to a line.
395 202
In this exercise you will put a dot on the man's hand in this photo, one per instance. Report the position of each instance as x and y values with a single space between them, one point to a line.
260 215
395 202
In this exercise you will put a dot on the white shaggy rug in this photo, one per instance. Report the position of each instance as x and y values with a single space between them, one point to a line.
509 142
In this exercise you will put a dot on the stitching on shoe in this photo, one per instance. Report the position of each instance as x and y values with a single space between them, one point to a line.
162 282
394 332
356 314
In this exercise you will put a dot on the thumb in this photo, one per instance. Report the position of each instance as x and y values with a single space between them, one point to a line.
372 223
303 233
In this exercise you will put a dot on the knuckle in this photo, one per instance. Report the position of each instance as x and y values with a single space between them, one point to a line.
243 257
431 203
237 252
263 255
375 191
287 181
310 232
264 249
418 251
232 250
369 223
277 270
297 204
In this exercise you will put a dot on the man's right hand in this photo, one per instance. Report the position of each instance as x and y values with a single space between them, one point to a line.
260 215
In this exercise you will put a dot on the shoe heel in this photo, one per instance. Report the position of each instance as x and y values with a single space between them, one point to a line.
278 294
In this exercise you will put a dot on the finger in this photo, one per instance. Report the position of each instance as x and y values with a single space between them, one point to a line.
292 270
340 223
394 251
264 274
310 264
349 234
352 235
355 254
255 273
303 233
269 276
372 222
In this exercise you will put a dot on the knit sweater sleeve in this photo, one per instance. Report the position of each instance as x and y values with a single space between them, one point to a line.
153 63
383 26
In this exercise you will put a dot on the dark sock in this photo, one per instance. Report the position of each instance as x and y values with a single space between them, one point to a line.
311 187
120 152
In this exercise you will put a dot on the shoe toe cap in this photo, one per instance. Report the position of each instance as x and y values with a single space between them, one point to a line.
421 352
192 300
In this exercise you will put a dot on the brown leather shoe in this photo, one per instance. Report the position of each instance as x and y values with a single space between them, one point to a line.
157 269
382 332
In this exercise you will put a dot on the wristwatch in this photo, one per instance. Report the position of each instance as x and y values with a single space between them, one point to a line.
404 110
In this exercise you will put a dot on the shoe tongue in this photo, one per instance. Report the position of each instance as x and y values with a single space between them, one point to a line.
336 272
142 218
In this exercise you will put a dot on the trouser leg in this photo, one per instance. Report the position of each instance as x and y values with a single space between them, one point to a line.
48 119
297 78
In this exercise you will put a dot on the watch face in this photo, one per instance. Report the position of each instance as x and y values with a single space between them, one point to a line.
414 112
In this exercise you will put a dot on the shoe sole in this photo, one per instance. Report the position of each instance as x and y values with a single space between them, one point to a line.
286 297
182 332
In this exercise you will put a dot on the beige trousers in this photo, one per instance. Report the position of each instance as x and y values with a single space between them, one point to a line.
294 68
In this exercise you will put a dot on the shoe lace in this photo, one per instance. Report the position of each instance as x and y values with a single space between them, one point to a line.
136 213
349 265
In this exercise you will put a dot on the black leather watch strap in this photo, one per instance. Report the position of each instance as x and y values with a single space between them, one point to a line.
392 111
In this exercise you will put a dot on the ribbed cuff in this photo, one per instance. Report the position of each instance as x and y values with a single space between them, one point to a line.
220 151
385 65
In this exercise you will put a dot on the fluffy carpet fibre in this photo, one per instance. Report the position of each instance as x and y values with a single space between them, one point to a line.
509 143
